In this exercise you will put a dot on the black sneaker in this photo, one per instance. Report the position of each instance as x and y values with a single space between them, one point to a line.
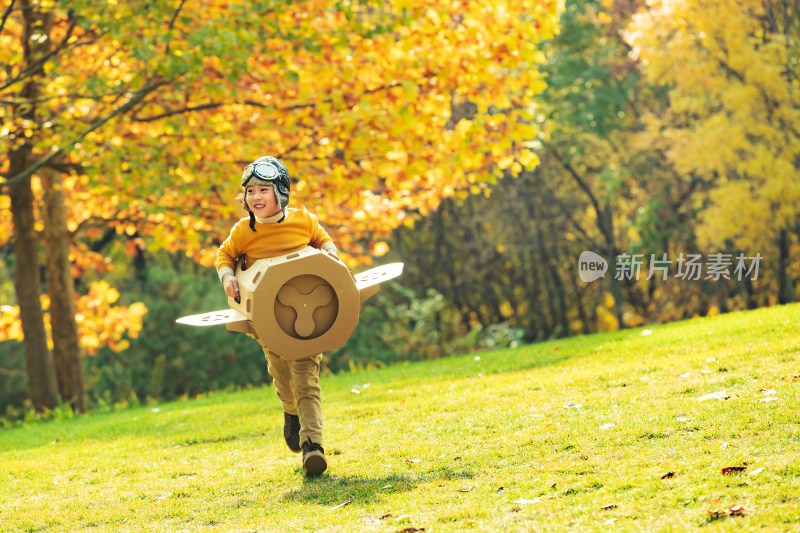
314 462
291 432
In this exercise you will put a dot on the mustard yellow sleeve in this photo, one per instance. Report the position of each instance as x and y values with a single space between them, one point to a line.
319 237
229 251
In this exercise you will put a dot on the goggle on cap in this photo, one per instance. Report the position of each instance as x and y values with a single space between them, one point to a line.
270 170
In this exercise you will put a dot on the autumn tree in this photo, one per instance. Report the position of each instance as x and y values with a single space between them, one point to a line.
731 72
148 110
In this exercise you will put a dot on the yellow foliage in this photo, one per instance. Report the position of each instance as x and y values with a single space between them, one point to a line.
99 322
734 108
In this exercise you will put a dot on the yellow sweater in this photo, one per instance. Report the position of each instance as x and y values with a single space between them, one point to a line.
298 230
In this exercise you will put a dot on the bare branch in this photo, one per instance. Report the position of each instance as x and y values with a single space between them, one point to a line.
172 23
6 15
251 103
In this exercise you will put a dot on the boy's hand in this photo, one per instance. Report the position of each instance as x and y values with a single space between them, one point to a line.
231 285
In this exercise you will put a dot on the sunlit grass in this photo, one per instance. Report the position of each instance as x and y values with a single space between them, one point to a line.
566 435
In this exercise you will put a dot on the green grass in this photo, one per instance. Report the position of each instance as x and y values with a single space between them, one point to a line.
486 432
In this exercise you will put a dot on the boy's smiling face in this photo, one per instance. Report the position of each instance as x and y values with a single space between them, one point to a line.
261 199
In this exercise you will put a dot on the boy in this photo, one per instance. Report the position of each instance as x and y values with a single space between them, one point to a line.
271 230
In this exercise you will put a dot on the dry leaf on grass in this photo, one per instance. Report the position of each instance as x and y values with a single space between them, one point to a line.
733 470
413 460
410 530
467 489
733 510
668 475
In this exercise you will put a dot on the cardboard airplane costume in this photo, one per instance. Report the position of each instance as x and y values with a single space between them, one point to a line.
299 304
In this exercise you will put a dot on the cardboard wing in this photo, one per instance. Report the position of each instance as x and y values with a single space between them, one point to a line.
213 318
299 304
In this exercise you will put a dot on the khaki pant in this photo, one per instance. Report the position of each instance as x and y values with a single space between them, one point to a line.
297 386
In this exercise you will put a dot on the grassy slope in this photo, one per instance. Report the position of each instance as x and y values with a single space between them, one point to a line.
486 433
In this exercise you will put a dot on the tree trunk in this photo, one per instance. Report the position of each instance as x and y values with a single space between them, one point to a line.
785 289
606 223
60 287
42 387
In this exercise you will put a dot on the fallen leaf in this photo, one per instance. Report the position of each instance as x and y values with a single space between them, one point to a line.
734 510
466 489
609 506
733 470
413 460
387 515
340 505
524 501
768 392
668 475
410 530
756 471
721 395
